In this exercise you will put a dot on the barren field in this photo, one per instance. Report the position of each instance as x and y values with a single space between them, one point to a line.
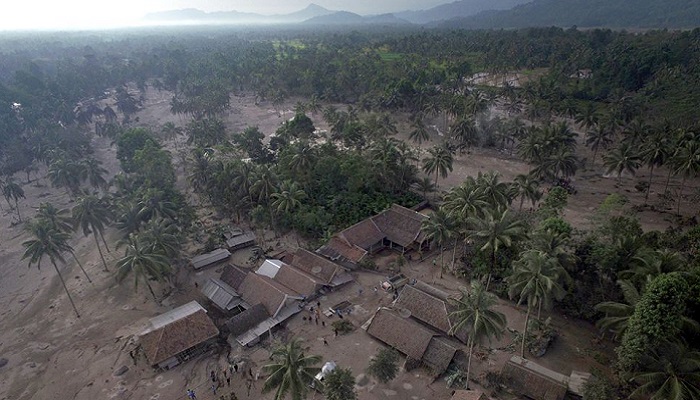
51 354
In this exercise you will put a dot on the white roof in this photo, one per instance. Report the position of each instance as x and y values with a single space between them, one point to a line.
270 268
327 368
173 315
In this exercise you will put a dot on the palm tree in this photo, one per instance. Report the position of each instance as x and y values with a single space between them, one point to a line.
11 190
465 200
465 132
65 173
92 215
161 235
599 138
141 260
290 372
527 188
473 311
620 159
438 231
617 314
496 229
670 372
47 242
686 162
497 194
588 116
439 162
288 198
419 133
265 182
654 154
424 185
536 279
94 173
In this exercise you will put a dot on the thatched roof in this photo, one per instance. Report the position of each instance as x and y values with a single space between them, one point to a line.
439 354
298 280
429 309
247 320
258 289
533 380
314 264
167 341
233 276
403 334
468 395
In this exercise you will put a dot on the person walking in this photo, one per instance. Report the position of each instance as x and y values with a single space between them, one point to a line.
191 394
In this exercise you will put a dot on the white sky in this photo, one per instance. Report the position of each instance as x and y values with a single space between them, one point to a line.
81 14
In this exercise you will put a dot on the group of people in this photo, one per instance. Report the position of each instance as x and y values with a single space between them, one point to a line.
217 381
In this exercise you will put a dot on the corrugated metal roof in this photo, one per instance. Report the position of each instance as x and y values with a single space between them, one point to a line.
212 257
174 315
269 268
246 239
221 294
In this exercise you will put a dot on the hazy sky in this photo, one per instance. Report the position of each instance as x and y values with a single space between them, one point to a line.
48 14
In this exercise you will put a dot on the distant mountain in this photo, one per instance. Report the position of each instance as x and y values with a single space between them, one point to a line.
191 15
588 13
462 8
348 18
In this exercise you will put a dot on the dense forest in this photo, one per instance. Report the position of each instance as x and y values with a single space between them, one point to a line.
634 96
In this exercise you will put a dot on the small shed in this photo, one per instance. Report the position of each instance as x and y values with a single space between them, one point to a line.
241 241
222 295
211 258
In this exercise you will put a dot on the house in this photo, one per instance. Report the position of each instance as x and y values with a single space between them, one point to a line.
260 289
223 296
177 336
247 320
468 395
233 276
533 380
269 268
430 306
299 281
325 270
211 258
421 345
241 241
397 228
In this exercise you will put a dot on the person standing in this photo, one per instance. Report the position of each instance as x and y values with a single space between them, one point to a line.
191 394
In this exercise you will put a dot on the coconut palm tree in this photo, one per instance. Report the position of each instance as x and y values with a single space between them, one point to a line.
536 279
620 159
288 198
465 133
496 193
424 186
473 311
92 215
686 162
11 190
437 229
669 372
419 132
162 235
439 161
617 314
655 153
496 230
527 188
94 173
264 183
141 260
600 137
291 372
47 242
66 174
465 201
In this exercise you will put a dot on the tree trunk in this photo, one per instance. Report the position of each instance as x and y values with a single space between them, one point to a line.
454 255
469 363
493 265
17 207
77 314
104 241
150 289
539 310
81 266
680 195
522 200
668 180
527 320
595 153
651 174
97 242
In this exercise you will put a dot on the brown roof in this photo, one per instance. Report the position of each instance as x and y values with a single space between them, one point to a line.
247 320
429 309
315 265
439 354
403 334
469 395
233 276
532 380
298 280
400 225
177 336
340 249
363 234
257 289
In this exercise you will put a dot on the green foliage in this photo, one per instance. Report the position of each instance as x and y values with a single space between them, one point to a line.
154 166
657 316
129 143
557 226
598 388
384 365
339 384
343 326
554 202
